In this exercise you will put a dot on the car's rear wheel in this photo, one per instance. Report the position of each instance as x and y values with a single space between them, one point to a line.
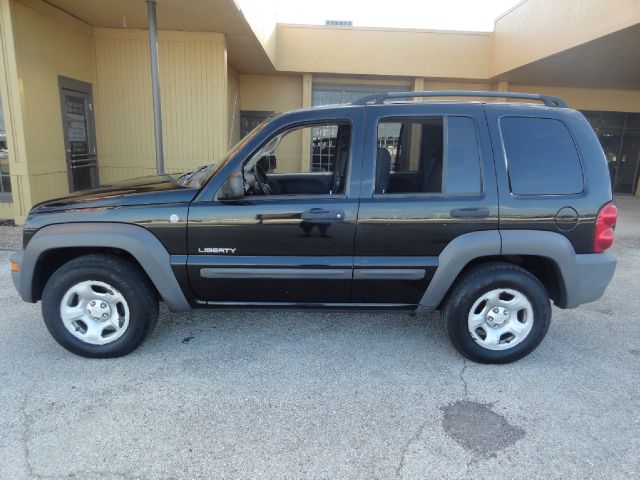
497 313
99 306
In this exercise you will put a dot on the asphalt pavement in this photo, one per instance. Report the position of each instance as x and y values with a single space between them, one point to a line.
327 395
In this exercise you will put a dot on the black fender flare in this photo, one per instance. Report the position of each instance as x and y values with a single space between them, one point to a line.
139 242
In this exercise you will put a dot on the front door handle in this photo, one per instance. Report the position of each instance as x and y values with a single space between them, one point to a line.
470 212
316 215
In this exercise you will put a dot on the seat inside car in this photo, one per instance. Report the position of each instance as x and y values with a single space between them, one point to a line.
383 170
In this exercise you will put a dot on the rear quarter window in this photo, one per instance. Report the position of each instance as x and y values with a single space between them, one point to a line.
541 157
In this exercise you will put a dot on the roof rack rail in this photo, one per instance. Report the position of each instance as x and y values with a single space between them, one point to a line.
379 98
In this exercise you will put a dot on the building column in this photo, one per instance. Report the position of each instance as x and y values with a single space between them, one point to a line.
12 106
414 134
502 86
307 100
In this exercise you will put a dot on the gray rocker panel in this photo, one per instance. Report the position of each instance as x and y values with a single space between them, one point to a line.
137 241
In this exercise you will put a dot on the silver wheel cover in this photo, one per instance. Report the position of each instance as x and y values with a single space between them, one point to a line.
94 312
500 319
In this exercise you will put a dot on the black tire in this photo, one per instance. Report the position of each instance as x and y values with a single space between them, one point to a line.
478 282
120 273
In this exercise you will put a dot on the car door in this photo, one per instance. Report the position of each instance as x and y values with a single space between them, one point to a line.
428 177
289 247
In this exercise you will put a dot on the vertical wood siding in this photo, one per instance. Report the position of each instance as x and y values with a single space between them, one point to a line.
193 82
46 46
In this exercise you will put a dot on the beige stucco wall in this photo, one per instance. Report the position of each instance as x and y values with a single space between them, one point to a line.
538 28
588 98
276 93
262 17
373 51
193 82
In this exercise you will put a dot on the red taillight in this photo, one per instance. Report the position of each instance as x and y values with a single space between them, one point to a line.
605 223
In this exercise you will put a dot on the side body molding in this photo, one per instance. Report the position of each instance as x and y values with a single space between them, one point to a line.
137 241
455 256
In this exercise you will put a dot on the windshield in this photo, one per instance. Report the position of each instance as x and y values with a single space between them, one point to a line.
200 176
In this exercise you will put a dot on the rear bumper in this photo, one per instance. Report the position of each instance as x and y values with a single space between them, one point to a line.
589 278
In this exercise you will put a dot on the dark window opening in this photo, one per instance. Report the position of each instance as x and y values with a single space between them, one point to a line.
619 135
541 157
430 155
306 160
5 176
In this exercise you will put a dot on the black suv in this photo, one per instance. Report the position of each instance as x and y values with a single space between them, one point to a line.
484 209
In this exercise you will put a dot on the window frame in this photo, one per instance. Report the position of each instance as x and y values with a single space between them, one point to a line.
445 153
506 158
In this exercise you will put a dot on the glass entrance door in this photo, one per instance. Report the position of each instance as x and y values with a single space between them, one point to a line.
619 135
79 135
626 178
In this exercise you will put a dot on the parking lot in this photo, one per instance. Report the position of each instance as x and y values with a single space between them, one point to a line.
327 395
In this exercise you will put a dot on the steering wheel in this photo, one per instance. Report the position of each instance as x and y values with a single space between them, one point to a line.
261 179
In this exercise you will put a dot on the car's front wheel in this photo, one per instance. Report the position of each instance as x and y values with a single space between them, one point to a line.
99 306
497 313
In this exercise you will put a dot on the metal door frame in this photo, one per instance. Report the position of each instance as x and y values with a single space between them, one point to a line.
84 88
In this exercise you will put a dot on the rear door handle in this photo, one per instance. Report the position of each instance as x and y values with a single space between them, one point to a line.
470 212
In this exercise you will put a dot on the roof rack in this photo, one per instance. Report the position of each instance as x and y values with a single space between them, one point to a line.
379 98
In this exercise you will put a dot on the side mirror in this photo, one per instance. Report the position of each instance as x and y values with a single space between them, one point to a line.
232 188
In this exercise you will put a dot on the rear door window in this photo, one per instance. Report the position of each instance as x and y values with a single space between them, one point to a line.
428 155
541 157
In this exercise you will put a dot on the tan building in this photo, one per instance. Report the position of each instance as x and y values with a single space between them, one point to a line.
75 80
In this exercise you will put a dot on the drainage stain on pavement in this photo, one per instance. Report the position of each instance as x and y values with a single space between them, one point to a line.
477 428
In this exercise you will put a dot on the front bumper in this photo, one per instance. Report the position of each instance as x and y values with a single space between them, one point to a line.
16 276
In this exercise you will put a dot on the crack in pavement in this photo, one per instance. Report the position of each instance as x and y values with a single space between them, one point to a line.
25 439
26 427
420 431
407 445
462 379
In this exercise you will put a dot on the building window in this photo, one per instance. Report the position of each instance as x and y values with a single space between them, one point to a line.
619 135
5 177
323 138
